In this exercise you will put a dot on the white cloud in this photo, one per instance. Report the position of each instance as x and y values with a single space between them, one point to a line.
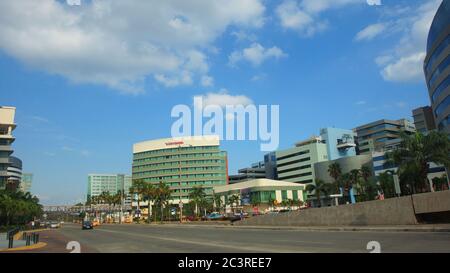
222 99
256 54
184 78
241 35
401 104
82 152
207 81
361 102
383 59
258 77
404 62
370 32
405 69
304 16
40 119
49 154
120 43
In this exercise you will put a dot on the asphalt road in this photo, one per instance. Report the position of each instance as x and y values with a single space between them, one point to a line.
211 239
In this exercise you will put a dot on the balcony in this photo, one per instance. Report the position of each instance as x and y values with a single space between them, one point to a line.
6 148
345 145
346 142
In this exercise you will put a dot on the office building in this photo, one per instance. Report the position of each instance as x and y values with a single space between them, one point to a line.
270 164
260 192
381 135
424 119
111 183
181 163
297 164
26 183
14 173
347 164
340 142
256 171
437 67
7 126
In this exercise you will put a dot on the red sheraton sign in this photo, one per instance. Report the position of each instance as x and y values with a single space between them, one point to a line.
174 143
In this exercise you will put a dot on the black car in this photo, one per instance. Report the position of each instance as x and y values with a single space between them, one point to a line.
87 225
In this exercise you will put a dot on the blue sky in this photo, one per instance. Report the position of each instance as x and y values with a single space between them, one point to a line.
89 81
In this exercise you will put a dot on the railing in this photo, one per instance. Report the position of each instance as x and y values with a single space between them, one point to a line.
30 238
10 236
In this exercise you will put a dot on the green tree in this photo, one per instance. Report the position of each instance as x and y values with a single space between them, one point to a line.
197 196
335 171
148 193
217 201
162 197
387 186
415 154
319 188
233 201
440 183
18 208
137 189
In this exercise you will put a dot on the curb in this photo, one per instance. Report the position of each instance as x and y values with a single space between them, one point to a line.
345 229
20 233
32 247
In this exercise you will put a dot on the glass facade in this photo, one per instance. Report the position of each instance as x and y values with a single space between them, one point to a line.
439 70
437 64
440 89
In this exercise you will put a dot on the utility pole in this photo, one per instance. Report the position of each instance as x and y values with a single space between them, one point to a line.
121 199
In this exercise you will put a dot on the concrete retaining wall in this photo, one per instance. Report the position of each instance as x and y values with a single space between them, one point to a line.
432 202
393 211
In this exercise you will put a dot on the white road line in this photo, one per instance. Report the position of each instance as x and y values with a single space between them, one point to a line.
212 244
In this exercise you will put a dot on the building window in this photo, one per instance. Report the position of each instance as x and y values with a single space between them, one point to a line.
284 195
295 195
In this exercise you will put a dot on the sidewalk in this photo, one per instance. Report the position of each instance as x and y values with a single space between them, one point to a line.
4 242
19 244
407 228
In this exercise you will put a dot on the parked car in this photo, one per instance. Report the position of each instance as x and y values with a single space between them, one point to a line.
214 216
54 225
87 225
233 218
190 218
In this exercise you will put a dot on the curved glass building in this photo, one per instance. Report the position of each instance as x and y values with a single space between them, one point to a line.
181 163
437 66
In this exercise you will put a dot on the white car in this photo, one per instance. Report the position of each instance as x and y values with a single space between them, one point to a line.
54 225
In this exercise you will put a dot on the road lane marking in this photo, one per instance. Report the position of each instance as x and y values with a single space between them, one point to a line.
215 244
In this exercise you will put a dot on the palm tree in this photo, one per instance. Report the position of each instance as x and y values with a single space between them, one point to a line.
386 181
197 195
415 154
136 189
17 208
234 200
319 188
217 202
148 192
162 197
107 199
366 173
335 172
355 182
